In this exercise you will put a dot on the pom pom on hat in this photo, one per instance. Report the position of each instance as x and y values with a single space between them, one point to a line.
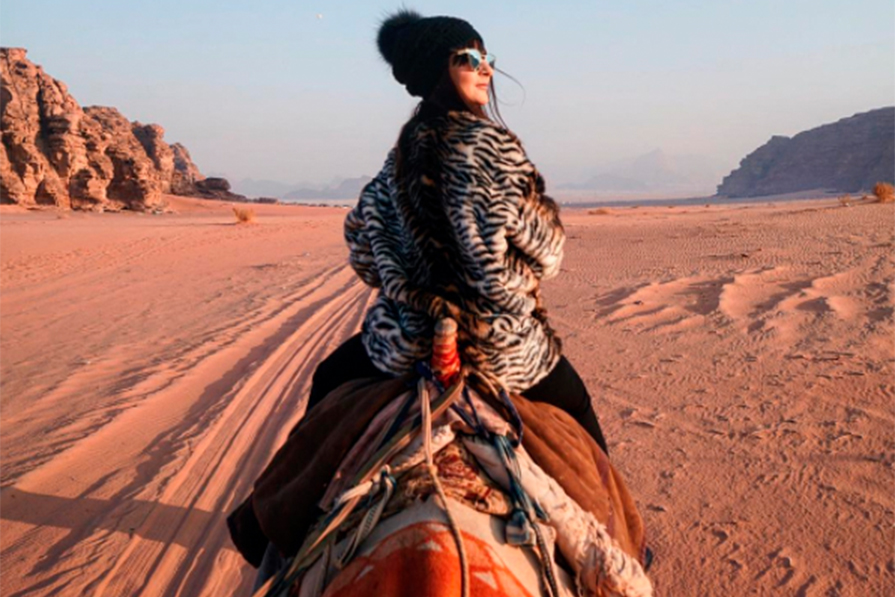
391 28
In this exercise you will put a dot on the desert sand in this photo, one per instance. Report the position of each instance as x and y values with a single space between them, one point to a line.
740 359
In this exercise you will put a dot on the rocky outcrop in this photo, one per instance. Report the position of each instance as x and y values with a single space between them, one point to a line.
151 138
213 188
850 155
186 175
54 152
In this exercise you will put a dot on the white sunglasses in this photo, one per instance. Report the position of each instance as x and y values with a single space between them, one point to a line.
475 59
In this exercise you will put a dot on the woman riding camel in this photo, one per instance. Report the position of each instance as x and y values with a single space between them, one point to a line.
456 224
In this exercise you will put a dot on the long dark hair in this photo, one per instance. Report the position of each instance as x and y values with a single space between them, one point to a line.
445 98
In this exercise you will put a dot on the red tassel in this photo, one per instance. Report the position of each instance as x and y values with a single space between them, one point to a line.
445 359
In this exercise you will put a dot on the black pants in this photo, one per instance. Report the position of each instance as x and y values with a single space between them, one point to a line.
562 387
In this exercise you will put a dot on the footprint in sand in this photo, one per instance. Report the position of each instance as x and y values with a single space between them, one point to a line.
781 567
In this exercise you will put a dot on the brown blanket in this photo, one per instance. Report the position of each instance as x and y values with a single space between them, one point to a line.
283 505
566 452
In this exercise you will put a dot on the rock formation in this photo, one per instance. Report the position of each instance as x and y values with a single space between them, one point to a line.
850 155
213 188
54 152
185 171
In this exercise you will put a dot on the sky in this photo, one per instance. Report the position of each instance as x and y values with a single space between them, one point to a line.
296 91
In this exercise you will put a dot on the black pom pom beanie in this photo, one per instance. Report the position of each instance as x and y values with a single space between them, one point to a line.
418 48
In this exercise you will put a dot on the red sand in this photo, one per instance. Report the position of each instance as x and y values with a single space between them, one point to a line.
740 358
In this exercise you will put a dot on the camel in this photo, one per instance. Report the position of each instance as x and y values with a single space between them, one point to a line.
441 483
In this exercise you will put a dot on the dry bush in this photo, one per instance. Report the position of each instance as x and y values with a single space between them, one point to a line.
885 192
244 215
600 211
845 200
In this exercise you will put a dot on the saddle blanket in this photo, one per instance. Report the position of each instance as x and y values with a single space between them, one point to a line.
414 554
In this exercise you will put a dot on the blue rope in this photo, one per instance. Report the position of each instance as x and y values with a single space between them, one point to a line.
399 420
424 370
516 421
520 497
477 425
521 528
478 421
467 418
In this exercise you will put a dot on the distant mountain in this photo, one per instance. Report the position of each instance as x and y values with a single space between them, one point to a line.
655 172
338 188
609 182
849 155
264 188
348 188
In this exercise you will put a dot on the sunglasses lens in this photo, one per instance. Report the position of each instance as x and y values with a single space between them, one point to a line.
475 59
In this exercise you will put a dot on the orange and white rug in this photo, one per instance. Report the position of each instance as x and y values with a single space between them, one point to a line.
414 554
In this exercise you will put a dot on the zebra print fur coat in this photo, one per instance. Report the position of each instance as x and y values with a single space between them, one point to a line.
466 231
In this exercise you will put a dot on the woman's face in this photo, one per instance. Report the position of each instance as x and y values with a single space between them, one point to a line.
472 85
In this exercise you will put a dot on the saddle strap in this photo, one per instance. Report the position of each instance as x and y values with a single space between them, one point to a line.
386 484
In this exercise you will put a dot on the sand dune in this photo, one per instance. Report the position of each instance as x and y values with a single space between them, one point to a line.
740 359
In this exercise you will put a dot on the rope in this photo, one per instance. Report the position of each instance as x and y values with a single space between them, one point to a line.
495 387
546 561
527 511
362 489
516 421
433 472
386 483
424 370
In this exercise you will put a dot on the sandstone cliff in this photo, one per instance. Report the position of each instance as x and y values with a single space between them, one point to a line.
850 155
54 152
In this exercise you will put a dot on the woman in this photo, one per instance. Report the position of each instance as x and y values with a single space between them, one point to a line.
456 224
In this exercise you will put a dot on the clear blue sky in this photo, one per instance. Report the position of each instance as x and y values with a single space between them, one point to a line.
268 90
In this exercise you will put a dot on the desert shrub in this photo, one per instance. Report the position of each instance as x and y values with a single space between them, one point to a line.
885 192
600 211
244 215
845 200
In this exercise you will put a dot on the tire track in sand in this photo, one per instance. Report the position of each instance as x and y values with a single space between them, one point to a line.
130 387
198 442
